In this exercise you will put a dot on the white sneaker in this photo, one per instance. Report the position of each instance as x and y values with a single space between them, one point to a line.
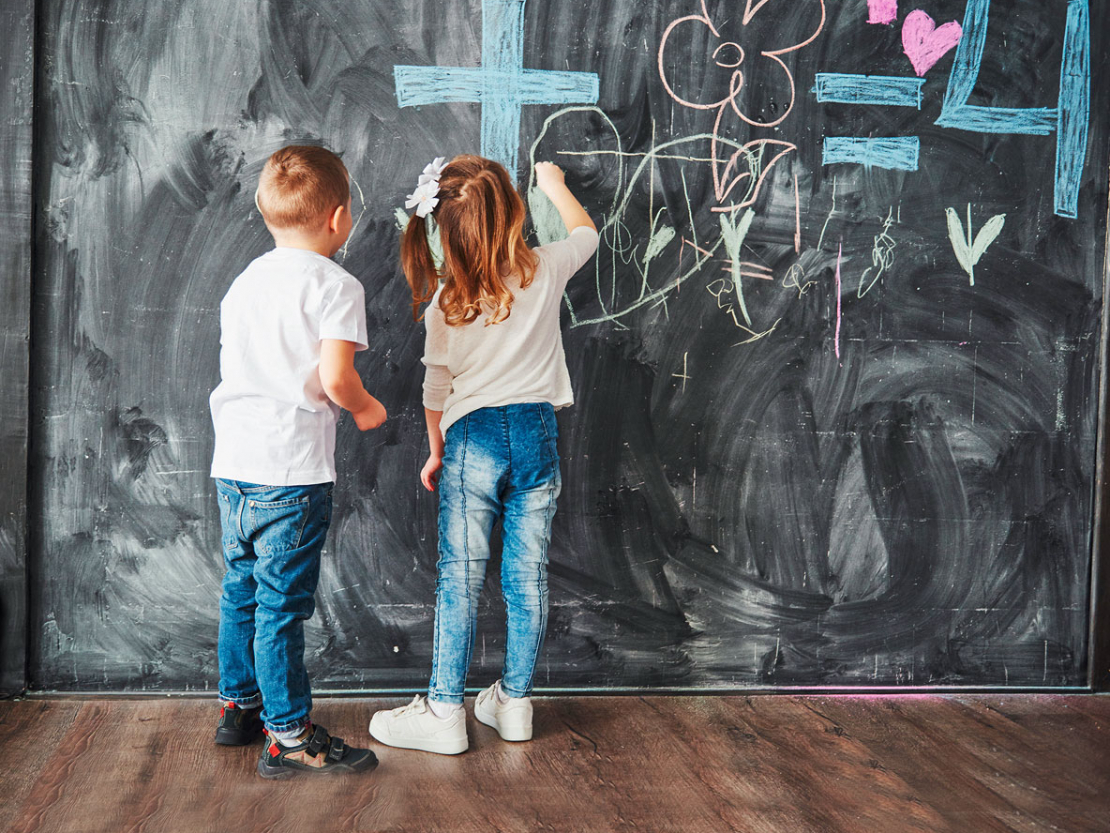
415 727
512 719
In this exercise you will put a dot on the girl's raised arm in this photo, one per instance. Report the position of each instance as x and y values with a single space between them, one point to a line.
549 178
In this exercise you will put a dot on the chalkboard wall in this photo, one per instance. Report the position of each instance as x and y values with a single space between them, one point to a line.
837 364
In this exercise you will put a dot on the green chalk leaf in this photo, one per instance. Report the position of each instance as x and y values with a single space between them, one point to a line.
990 230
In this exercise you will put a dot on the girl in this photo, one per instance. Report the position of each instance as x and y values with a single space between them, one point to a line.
495 375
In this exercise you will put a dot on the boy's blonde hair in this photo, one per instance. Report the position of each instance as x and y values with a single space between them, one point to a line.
300 186
480 219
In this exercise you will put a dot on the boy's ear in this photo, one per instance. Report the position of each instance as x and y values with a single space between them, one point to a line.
336 218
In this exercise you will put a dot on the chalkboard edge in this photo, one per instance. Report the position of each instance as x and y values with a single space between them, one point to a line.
1098 652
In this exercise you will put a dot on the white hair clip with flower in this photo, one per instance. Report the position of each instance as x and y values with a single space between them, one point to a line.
424 198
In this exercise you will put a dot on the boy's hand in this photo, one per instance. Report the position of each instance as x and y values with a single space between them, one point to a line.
429 475
370 417
548 176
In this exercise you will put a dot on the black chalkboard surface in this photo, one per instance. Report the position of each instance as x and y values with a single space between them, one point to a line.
837 364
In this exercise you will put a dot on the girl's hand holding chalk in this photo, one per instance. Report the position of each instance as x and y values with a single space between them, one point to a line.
549 179
548 175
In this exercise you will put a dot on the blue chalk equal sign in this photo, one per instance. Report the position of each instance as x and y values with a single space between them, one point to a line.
887 90
894 153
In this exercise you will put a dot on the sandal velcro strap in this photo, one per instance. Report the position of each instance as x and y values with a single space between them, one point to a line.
318 741
337 750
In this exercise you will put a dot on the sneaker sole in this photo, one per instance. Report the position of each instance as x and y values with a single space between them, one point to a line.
280 773
233 737
512 735
439 747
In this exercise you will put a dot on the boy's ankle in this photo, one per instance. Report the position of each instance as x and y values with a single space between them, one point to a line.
293 737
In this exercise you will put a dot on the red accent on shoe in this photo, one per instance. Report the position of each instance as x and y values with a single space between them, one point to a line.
273 750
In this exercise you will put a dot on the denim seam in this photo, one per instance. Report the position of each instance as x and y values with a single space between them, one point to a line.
225 518
304 522
549 515
280 504
239 523
470 611
287 727
435 692
243 702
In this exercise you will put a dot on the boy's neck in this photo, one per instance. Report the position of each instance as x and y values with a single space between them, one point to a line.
321 244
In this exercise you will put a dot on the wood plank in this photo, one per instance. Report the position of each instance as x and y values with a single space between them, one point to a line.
31 731
751 764
983 770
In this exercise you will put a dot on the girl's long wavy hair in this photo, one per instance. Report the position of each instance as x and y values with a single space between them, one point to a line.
480 217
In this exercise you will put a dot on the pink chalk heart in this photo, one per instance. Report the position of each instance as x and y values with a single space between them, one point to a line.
924 43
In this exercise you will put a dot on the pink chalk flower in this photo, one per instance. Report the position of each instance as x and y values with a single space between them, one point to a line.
744 57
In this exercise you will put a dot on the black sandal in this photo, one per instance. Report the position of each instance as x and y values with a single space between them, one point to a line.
338 757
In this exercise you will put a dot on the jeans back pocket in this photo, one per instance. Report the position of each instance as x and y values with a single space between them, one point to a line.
279 525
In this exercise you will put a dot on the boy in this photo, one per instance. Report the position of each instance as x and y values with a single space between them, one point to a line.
290 325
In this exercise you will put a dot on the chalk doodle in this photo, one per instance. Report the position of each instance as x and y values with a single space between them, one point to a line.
895 153
501 84
846 88
685 374
969 251
722 289
836 334
731 56
924 45
616 295
882 257
882 11
733 233
1069 119
793 279
924 42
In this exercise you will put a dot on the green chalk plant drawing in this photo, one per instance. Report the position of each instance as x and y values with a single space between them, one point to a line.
733 233
968 251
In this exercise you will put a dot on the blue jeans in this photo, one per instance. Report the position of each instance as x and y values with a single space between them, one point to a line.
497 463
272 537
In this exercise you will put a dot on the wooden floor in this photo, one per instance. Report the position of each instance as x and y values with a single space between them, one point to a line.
970 764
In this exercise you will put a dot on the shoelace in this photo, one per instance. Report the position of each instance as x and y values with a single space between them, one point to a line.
411 708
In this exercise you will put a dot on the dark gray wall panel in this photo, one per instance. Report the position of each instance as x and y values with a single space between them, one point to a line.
16 87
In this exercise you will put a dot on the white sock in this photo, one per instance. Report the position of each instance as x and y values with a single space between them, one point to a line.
443 710
224 703
288 739
504 698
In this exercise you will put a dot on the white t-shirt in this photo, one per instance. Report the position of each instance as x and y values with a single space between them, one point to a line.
518 360
274 424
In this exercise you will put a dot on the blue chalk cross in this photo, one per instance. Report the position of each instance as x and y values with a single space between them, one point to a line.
501 84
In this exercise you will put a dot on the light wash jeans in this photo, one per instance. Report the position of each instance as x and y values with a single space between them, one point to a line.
497 463
272 537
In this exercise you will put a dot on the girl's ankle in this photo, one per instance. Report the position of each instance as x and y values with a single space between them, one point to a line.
443 710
